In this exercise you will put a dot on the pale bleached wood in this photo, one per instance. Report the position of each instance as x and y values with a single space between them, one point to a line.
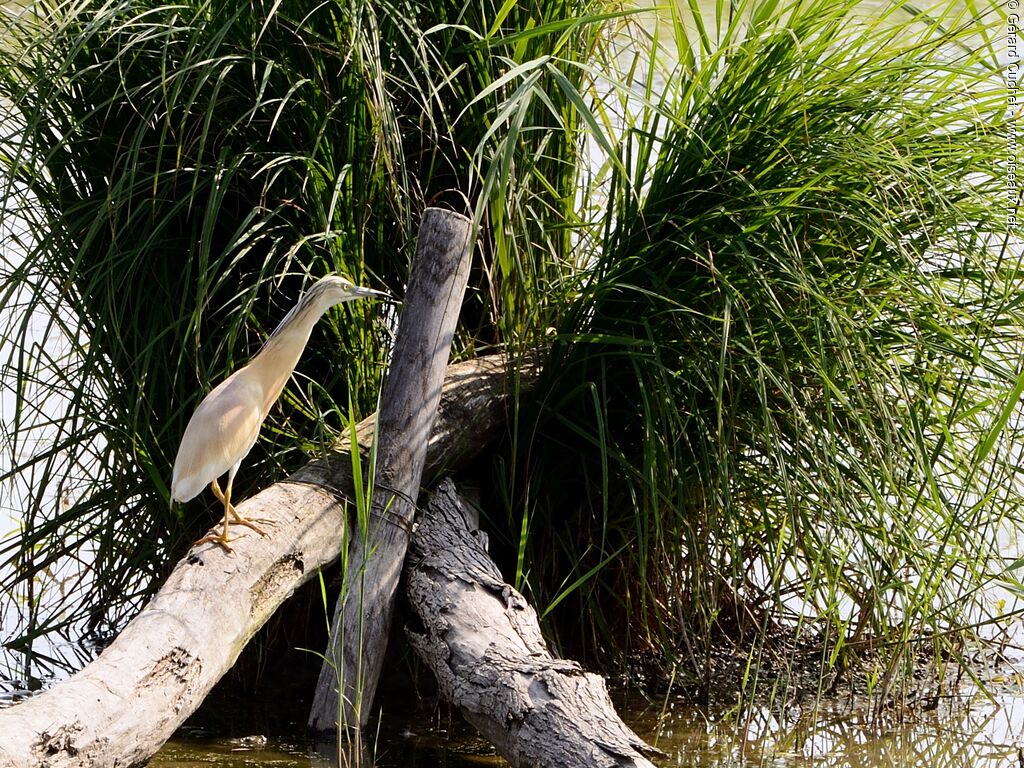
412 388
123 706
482 640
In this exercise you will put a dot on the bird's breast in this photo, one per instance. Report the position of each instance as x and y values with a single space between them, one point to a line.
220 433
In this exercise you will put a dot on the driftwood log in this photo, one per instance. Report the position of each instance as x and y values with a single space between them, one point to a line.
408 404
123 706
482 641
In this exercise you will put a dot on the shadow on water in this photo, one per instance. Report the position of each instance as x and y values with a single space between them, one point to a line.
432 745
266 726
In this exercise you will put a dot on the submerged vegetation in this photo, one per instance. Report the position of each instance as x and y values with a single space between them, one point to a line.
763 246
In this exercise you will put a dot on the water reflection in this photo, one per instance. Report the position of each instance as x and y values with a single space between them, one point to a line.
972 731
975 732
430 745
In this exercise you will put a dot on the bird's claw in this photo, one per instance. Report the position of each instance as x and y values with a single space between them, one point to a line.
220 539
251 523
231 517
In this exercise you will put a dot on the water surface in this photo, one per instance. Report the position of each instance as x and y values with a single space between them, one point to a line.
964 730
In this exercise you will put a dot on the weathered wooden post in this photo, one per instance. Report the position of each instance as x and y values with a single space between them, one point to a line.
412 389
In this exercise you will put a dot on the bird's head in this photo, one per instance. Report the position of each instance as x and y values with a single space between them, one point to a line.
334 290
322 295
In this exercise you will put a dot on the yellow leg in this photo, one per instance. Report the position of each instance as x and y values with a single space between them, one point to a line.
223 539
230 508
230 516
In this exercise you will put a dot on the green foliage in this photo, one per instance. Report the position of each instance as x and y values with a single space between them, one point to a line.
183 168
180 172
763 244
776 393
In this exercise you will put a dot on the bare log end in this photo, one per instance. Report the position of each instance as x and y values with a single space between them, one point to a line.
483 642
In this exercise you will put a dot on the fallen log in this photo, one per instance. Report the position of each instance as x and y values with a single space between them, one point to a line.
122 707
482 641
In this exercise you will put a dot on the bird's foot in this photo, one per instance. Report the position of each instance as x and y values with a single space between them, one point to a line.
251 522
214 538
222 539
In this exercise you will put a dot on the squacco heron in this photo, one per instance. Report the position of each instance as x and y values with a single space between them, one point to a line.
227 422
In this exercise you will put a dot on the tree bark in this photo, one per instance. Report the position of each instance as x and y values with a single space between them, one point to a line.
412 388
482 640
123 706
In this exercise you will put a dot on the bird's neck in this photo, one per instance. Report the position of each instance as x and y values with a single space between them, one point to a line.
279 356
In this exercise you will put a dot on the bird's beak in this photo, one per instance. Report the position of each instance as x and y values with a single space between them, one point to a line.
368 293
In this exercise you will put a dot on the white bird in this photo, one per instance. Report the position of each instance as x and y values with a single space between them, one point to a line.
227 422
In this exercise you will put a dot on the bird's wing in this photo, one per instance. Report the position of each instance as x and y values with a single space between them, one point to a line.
218 436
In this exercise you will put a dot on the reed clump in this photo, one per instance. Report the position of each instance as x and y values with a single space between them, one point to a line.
763 245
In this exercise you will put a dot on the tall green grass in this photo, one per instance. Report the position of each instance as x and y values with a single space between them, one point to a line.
763 246
778 398
183 171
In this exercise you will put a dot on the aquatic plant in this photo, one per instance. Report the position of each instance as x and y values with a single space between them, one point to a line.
788 393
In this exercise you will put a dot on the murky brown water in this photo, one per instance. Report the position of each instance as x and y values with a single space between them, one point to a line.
970 731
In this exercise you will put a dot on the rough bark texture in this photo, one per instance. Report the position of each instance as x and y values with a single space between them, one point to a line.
123 706
482 640
412 389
